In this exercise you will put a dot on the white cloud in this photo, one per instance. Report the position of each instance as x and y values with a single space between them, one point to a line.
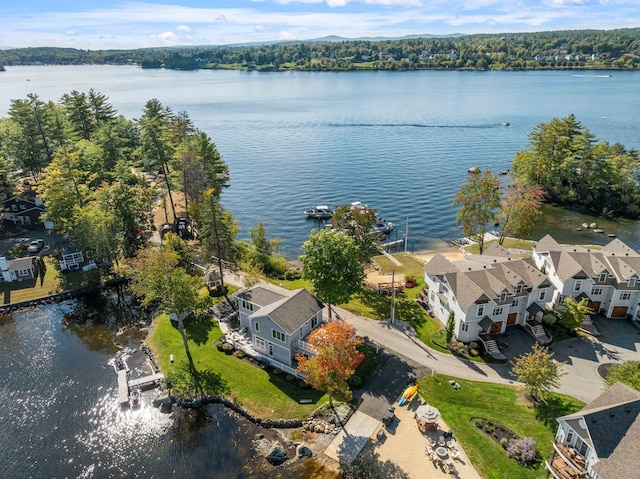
136 24
283 35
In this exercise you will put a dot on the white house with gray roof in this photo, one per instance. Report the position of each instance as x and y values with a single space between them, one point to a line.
488 293
278 320
609 278
601 441
19 269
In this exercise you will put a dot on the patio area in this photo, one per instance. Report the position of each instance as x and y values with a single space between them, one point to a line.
403 448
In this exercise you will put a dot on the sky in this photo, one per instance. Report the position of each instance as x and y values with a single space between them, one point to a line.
109 24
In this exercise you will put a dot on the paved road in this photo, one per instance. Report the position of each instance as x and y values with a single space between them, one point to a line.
620 341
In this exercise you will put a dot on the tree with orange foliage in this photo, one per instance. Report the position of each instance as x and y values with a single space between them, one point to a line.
336 351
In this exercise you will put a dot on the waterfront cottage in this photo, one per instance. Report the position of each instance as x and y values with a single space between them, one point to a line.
278 320
607 277
602 440
488 293
26 212
20 269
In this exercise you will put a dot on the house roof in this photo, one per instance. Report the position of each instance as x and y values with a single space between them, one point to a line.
291 313
288 309
263 294
547 243
439 265
534 308
485 323
20 263
612 422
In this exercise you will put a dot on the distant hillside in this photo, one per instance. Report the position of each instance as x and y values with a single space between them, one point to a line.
575 49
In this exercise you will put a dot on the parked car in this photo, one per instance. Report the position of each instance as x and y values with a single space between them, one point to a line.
35 246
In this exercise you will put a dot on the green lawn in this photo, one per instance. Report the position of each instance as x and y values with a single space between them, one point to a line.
505 405
262 393
53 282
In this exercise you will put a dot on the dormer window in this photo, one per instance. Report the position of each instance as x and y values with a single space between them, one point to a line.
480 309
632 282
577 286
603 277
519 289
503 297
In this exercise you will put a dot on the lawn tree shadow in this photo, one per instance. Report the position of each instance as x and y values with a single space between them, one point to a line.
186 378
368 465
198 327
405 309
548 408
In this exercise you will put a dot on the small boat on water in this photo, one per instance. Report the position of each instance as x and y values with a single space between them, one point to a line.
320 212
504 172
383 226
474 170
135 396
505 123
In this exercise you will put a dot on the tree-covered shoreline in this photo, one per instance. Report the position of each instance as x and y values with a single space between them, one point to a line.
571 49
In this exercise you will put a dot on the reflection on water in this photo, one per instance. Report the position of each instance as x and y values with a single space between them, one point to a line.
61 418
563 224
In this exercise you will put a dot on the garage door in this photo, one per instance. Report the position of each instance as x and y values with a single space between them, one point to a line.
619 312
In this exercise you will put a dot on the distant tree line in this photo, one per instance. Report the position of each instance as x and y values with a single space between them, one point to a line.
581 49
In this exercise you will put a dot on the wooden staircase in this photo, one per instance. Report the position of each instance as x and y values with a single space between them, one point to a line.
538 332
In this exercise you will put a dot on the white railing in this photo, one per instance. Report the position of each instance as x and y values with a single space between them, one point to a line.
306 347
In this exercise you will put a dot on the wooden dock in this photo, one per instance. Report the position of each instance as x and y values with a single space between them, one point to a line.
146 380
123 387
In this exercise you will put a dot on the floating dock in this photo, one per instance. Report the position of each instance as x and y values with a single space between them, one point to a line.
123 387
145 381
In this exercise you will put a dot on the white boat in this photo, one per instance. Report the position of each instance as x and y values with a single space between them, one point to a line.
503 172
505 123
474 170
320 212
383 226
134 397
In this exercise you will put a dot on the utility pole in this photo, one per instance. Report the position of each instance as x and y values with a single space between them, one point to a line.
215 233
393 295
406 235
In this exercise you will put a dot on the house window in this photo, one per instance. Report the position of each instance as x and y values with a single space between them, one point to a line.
503 297
515 303
465 327
247 305
519 289
14 207
279 335
581 447
543 294
23 207
562 299
603 277
260 344
625 295
596 290
314 321
24 272
497 311
256 326
632 282
480 309
569 437
577 286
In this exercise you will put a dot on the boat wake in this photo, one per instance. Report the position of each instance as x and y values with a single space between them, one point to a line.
413 125
592 76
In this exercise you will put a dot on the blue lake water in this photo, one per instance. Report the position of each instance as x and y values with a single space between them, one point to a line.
400 142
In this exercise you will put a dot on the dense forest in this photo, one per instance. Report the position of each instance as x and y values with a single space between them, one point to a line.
573 168
579 49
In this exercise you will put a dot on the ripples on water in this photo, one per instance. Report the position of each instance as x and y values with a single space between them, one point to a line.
61 418
400 142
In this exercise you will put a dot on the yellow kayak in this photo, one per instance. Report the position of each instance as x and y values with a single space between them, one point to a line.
408 394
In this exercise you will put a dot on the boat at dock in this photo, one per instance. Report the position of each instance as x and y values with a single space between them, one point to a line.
464 242
135 396
320 212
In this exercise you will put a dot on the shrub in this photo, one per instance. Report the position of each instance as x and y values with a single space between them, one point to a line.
504 442
522 450
473 345
289 378
355 381
276 371
549 319
473 352
227 348
238 354
219 345
292 274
